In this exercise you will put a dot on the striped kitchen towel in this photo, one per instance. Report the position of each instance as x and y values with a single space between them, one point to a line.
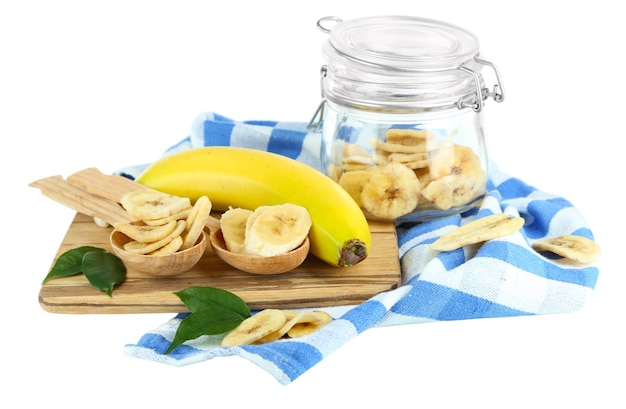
502 278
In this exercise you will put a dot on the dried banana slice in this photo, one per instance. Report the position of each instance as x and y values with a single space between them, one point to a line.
454 190
194 224
293 318
408 136
182 215
305 328
147 204
455 160
478 231
391 191
576 248
353 182
255 327
143 233
145 248
233 226
278 229
170 248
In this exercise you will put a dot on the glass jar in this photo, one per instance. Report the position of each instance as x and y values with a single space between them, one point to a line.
401 116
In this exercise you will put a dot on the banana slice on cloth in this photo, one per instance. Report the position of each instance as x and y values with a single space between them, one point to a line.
233 226
273 324
147 204
309 326
576 248
278 229
478 231
293 317
255 327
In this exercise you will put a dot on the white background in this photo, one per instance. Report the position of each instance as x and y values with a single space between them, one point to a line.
114 83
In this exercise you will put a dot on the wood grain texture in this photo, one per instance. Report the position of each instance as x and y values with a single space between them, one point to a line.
313 284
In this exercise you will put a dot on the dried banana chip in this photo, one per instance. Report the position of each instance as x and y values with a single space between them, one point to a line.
305 328
182 215
194 224
145 248
576 248
293 318
278 229
146 204
233 226
391 191
255 327
144 233
478 231
170 248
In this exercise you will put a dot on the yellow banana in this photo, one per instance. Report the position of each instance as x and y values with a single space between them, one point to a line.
247 178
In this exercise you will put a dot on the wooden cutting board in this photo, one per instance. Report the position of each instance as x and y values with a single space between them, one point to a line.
313 284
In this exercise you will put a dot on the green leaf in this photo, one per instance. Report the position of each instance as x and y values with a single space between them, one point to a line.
202 298
103 270
210 321
70 263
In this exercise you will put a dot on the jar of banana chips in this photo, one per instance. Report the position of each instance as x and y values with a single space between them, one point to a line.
402 115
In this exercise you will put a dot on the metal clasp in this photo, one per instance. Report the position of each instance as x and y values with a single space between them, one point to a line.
476 100
321 21
315 124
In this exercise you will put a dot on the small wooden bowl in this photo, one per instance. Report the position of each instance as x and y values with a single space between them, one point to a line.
159 266
279 264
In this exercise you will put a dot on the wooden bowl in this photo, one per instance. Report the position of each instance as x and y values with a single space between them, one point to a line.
159 266
278 264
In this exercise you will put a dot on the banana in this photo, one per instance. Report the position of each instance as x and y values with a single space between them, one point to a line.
276 229
576 248
247 178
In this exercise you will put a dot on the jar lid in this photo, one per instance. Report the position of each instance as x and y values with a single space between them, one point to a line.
403 43
398 62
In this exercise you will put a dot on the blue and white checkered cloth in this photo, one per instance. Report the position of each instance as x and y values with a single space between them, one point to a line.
502 278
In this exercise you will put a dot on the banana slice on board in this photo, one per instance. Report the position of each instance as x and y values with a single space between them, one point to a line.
255 327
278 229
478 231
233 226
576 248
147 204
